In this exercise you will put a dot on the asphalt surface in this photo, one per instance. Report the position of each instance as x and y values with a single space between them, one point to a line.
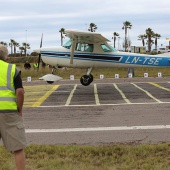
109 111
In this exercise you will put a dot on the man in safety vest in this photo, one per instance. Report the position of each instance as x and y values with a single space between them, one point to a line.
12 129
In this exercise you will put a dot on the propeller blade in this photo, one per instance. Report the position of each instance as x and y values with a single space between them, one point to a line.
39 56
41 40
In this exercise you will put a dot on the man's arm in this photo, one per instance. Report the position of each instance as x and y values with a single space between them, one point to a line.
20 99
19 91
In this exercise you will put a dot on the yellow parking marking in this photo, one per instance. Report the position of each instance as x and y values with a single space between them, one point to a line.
147 93
35 95
70 96
96 95
122 94
161 87
42 99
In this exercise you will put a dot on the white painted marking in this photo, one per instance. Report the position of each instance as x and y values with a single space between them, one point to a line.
70 96
93 129
61 91
94 105
122 94
147 93
96 95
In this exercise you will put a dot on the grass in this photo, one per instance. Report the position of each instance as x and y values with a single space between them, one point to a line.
78 72
107 157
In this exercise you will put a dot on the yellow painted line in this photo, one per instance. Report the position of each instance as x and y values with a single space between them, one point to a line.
96 95
161 87
44 97
122 94
150 95
70 96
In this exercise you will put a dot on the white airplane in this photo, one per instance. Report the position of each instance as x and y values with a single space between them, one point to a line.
91 50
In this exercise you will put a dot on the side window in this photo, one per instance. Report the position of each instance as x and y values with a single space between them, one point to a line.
84 47
89 48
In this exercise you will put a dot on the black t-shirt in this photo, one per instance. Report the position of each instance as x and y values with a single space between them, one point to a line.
18 80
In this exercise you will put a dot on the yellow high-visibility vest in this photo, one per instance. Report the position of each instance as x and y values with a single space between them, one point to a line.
7 89
35 65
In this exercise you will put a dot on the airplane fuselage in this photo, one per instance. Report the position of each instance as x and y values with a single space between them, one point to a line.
59 56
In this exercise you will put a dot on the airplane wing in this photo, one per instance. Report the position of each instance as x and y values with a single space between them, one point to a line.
86 37
83 37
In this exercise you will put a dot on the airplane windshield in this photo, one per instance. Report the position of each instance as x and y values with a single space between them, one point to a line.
108 48
68 44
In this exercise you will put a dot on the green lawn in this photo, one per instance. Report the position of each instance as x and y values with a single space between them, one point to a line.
108 157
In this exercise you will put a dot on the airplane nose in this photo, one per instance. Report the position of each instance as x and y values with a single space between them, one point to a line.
37 50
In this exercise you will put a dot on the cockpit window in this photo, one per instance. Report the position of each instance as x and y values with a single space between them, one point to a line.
107 48
84 47
68 44
79 46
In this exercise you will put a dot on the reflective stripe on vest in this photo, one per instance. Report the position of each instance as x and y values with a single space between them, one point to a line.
8 80
7 90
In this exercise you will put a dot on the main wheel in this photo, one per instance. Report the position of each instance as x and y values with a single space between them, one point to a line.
50 82
85 80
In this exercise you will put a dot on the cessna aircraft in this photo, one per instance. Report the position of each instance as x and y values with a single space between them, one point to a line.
91 50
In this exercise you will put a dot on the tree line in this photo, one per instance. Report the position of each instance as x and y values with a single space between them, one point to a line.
149 36
13 44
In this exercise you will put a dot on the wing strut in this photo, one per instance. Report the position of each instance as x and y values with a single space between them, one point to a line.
72 50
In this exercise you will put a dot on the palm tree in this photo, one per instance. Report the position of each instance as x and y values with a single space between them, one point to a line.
156 36
21 50
115 34
62 31
26 46
142 37
127 42
126 25
11 45
150 35
92 27
4 43
15 44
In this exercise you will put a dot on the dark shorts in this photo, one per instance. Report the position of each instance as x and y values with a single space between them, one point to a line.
12 131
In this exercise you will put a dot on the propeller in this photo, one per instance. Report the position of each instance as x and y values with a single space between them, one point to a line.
39 55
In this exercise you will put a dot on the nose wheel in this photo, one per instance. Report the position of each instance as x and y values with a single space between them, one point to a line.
86 79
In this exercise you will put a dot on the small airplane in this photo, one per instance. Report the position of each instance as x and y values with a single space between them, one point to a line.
91 50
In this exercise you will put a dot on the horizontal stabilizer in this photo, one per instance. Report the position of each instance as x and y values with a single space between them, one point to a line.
50 77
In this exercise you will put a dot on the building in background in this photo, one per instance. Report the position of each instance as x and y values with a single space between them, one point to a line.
138 49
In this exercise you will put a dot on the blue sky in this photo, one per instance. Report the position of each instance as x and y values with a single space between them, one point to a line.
23 20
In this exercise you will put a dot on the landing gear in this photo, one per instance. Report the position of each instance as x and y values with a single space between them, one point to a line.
86 79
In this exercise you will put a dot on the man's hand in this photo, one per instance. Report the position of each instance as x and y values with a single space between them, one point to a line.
20 99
